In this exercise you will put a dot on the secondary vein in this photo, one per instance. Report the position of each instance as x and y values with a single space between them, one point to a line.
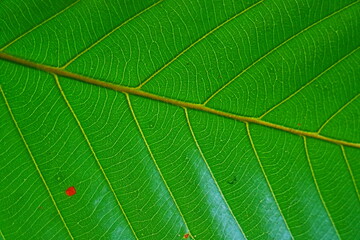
95 156
35 163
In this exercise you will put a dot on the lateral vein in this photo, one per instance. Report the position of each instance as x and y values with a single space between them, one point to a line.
196 42
94 154
155 163
273 50
37 26
266 178
35 163
211 173
318 188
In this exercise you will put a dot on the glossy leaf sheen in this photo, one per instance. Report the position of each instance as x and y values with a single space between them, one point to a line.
277 159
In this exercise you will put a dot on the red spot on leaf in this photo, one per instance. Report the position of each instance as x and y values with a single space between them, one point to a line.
70 191
299 124
186 235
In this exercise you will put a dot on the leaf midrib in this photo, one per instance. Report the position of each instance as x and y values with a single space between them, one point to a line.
195 106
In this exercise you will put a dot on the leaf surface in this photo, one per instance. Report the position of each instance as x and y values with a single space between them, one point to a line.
167 120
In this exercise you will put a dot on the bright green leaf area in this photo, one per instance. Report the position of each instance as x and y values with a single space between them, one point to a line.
232 120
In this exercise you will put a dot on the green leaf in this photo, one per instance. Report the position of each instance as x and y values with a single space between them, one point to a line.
180 119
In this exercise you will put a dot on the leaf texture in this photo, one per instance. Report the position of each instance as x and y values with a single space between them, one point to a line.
180 119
